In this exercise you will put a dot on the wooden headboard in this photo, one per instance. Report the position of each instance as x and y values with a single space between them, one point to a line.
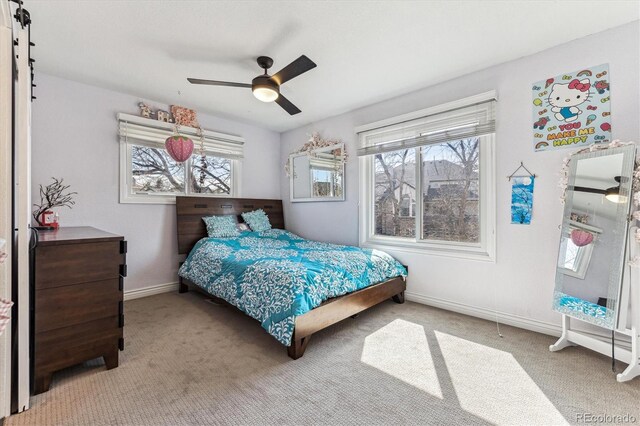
191 210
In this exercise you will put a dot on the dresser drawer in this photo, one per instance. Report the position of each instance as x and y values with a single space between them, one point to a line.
67 346
74 304
62 265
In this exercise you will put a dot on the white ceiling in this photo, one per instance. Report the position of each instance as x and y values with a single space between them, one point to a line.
366 51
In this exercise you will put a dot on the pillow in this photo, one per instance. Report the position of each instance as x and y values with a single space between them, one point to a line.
242 227
221 226
257 220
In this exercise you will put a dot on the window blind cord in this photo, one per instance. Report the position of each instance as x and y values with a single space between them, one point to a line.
495 308
498 325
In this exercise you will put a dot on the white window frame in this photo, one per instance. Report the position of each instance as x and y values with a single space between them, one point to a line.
484 250
584 256
127 196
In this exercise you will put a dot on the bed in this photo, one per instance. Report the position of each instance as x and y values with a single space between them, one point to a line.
294 287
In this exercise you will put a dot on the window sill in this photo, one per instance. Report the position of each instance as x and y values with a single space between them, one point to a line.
430 249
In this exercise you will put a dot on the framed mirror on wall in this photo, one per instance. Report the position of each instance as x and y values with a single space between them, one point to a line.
317 175
593 240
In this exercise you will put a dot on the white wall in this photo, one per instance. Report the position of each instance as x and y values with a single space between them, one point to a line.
75 138
520 282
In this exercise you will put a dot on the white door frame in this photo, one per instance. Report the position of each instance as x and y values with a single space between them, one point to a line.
6 194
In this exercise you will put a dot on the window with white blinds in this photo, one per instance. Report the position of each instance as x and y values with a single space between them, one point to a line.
149 175
460 122
427 180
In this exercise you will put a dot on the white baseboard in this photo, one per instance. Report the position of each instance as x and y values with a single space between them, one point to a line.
502 317
150 291
505 318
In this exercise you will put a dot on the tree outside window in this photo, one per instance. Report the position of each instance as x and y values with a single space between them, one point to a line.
153 171
450 192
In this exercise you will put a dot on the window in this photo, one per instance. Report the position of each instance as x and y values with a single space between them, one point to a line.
451 191
574 260
211 175
326 183
149 175
153 171
427 182
394 192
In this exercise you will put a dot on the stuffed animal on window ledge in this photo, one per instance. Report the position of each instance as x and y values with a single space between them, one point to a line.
145 111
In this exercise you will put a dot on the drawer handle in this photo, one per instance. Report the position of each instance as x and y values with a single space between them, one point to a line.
123 270
123 247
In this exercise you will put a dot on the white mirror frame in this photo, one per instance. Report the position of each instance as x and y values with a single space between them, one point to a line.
292 174
614 303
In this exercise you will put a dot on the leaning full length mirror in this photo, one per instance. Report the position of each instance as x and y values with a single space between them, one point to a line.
317 175
594 234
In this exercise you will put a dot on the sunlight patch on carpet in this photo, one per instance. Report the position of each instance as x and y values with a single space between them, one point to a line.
400 349
491 384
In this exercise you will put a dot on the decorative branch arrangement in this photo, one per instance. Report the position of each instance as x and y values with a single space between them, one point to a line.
53 195
315 142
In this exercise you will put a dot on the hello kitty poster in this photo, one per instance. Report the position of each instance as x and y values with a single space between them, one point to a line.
572 110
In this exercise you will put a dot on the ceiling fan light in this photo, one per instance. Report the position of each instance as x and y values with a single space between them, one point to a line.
265 89
265 94
613 194
616 198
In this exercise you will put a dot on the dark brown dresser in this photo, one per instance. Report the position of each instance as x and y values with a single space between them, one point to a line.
77 300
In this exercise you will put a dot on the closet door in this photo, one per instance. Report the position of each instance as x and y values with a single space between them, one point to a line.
22 198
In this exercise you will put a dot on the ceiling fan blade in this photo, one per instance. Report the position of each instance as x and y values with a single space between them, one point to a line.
287 105
217 83
294 69
586 189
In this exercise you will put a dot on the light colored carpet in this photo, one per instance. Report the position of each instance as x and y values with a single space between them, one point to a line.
188 361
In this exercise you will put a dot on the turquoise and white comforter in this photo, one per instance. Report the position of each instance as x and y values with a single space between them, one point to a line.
275 275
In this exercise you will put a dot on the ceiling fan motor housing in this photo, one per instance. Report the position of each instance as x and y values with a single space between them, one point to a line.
264 82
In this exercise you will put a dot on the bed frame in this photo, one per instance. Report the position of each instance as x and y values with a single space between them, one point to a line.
191 228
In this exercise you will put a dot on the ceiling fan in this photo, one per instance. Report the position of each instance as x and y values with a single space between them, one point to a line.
612 194
266 87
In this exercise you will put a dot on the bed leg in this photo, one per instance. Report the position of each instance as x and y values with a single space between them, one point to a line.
182 287
398 298
297 347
